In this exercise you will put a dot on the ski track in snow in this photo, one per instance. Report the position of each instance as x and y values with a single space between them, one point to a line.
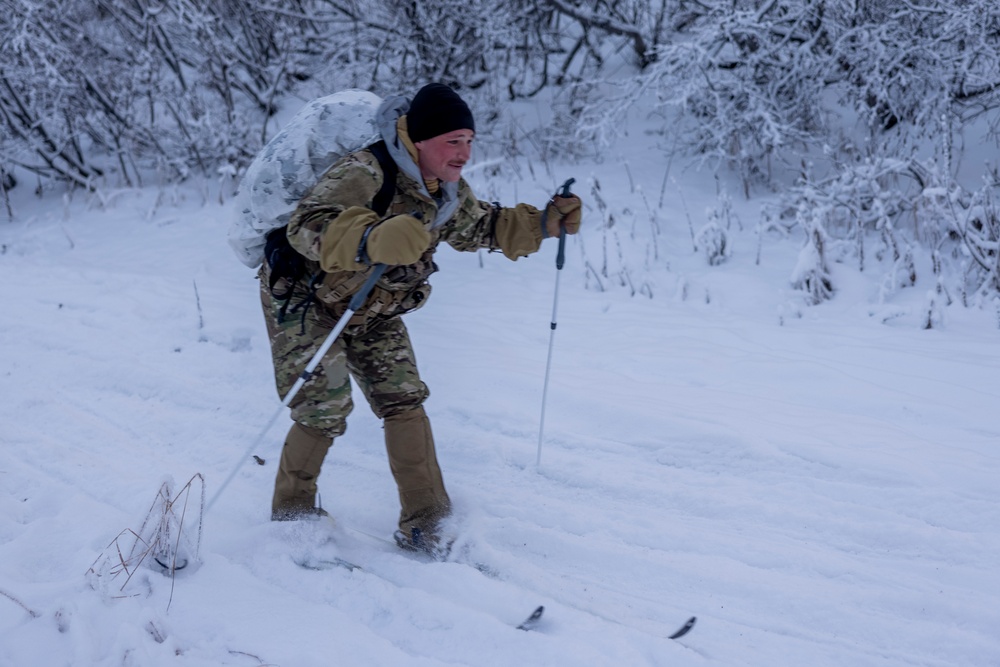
818 493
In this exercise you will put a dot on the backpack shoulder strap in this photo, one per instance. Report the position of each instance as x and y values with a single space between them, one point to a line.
380 204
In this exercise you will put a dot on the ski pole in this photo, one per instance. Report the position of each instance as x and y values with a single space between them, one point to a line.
560 260
356 302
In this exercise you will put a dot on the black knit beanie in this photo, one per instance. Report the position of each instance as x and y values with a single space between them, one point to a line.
437 109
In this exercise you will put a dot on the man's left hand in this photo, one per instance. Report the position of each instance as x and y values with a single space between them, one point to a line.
563 212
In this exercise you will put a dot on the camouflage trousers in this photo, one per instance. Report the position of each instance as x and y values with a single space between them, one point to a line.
379 357
381 361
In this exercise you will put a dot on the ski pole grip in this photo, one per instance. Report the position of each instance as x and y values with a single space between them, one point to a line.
565 188
359 297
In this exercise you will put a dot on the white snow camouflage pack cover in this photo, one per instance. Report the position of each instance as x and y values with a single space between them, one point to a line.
317 136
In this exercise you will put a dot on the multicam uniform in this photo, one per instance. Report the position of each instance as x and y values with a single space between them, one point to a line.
375 347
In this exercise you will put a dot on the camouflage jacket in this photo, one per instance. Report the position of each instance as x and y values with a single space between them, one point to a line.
453 215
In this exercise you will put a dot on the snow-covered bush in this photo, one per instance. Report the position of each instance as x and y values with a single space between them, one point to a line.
743 78
713 238
713 241
117 86
875 214
858 92
811 274
966 232
757 84
841 216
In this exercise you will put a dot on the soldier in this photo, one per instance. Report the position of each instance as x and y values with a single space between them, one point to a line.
341 237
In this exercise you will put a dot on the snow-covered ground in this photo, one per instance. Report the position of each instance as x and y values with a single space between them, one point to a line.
817 485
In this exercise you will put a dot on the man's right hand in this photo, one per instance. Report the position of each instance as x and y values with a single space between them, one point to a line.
397 241
564 213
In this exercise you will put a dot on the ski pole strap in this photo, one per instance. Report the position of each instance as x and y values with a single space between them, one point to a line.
561 255
361 256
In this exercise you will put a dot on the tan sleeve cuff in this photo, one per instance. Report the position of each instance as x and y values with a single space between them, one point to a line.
338 247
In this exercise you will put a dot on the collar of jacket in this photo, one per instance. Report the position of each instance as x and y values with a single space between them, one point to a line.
385 118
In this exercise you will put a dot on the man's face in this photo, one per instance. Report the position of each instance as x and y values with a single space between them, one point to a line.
442 157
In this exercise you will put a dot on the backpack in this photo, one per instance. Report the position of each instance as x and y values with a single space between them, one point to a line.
285 261
322 132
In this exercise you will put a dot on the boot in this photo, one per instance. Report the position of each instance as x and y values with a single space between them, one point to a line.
422 496
295 485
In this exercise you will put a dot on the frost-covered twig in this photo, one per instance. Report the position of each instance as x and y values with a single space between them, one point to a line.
31 612
687 214
201 318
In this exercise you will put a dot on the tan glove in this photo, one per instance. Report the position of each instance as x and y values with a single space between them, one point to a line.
338 247
563 212
397 241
